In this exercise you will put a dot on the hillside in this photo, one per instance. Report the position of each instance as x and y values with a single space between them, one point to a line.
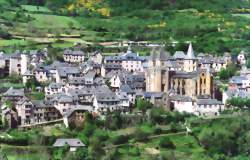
212 25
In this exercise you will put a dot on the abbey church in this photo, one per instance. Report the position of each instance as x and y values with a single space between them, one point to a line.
179 74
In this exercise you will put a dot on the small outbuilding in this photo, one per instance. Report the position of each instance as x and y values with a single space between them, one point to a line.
74 143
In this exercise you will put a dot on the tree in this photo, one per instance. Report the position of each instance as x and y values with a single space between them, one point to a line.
223 74
89 129
143 105
237 102
4 34
9 104
156 115
96 150
113 120
165 142
120 139
222 140
230 71
31 84
80 154
141 135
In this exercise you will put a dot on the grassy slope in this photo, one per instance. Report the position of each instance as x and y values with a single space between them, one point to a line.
140 22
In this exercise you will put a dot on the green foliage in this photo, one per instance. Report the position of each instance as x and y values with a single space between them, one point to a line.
101 135
222 136
143 105
95 149
15 78
141 135
134 151
230 71
36 95
89 129
165 142
61 152
168 155
156 115
4 34
120 139
54 54
9 104
113 120
239 102
80 154
31 84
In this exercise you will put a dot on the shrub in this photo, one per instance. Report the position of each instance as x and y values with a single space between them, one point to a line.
120 139
101 135
4 34
15 78
175 127
134 151
165 142
157 130
141 135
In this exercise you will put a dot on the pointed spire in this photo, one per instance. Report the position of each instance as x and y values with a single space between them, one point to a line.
190 52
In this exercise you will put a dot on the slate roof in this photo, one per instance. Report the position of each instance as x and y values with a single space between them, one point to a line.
28 73
237 79
71 142
159 54
63 98
75 53
55 85
126 88
14 92
82 91
90 75
181 98
112 66
57 64
153 94
201 55
128 56
237 93
106 97
208 102
23 100
172 64
179 55
122 95
38 103
76 80
185 75
136 85
64 71
78 108
99 81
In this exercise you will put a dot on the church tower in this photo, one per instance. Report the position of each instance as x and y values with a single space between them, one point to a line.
190 61
156 72
24 63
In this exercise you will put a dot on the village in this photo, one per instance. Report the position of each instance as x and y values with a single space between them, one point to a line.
186 82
